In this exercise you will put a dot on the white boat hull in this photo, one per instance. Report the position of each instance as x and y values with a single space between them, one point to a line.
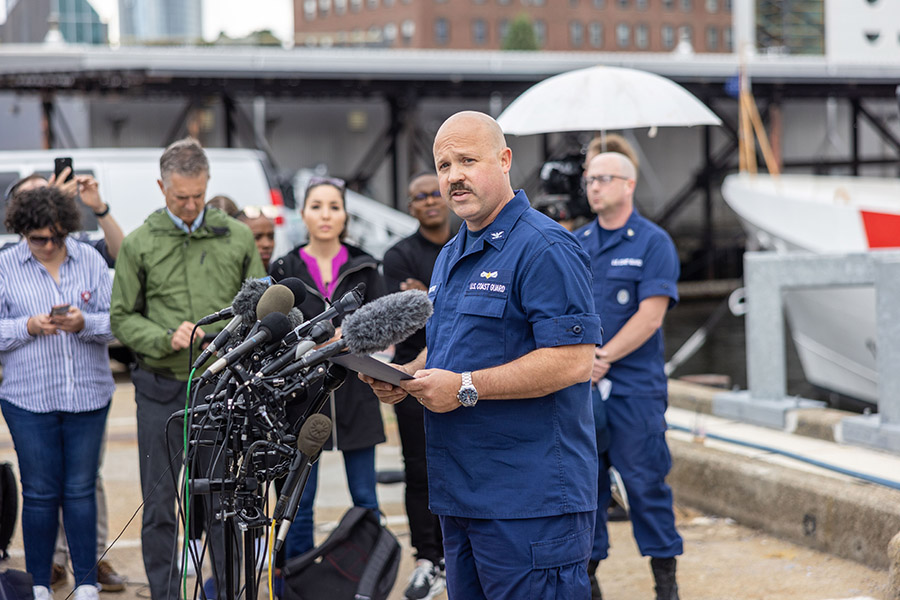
833 328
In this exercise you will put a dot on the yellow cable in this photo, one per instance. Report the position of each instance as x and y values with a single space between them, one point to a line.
271 558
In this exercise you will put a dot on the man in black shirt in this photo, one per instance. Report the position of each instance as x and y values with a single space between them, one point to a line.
408 266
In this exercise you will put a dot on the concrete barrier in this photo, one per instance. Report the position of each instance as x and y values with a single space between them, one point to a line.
847 519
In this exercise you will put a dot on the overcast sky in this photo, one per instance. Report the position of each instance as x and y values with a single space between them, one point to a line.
235 17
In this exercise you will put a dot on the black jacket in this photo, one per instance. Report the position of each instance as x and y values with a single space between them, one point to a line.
357 423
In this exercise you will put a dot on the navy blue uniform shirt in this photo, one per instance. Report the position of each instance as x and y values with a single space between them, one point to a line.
637 262
524 284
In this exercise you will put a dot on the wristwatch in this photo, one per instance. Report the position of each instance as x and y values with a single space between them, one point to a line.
467 394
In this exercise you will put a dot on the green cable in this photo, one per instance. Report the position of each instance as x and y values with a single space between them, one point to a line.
187 498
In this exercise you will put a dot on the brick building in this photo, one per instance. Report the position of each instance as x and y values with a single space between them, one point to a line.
564 25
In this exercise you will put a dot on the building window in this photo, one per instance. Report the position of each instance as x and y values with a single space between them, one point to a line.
408 30
599 4
340 7
372 4
388 3
573 3
441 31
479 32
668 37
687 5
576 34
623 35
478 1
640 4
595 33
324 7
309 10
727 40
623 4
502 29
668 4
355 5
686 32
503 2
712 39
538 2
712 6
641 36
540 31
727 4
390 33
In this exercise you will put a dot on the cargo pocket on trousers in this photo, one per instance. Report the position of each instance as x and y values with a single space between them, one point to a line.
559 565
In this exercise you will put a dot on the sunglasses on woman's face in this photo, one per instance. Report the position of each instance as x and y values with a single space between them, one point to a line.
42 240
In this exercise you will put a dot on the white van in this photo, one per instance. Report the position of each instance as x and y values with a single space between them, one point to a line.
127 179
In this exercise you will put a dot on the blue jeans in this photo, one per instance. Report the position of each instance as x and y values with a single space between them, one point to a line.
59 454
360 468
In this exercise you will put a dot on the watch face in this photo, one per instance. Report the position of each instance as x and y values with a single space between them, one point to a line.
467 396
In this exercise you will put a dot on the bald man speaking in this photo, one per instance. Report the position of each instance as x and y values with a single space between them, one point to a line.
504 378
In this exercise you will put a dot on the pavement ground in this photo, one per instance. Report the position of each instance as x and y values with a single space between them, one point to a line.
722 560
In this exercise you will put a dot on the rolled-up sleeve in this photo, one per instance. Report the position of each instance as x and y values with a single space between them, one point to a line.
557 297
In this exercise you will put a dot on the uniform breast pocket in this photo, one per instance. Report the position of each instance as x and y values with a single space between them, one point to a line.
622 289
479 321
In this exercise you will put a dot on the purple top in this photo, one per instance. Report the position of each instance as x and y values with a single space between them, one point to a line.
336 263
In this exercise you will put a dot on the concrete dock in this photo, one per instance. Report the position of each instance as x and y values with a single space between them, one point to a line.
757 524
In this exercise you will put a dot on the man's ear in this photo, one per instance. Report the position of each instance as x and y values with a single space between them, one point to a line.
162 186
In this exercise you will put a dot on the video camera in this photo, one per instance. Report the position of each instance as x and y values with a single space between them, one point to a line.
563 196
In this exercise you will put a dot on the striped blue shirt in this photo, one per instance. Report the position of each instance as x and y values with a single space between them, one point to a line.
66 372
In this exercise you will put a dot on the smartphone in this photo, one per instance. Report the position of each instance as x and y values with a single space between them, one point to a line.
59 165
59 310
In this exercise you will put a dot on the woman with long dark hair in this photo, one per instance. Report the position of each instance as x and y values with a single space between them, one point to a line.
330 268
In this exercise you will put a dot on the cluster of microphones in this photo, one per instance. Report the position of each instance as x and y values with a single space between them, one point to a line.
267 357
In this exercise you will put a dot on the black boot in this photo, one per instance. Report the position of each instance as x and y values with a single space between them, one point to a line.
664 575
592 574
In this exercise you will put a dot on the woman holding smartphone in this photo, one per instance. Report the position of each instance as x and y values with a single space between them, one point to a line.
56 388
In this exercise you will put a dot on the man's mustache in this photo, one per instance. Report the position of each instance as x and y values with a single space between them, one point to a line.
458 187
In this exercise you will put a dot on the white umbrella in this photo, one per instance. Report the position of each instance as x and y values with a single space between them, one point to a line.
601 99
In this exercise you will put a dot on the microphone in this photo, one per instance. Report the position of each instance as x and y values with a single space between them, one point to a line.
243 307
244 302
348 302
312 437
297 288
317 426
386 321
374 327
273 326
320 332
276 299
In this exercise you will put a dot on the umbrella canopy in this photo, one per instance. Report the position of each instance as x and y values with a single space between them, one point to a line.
603 98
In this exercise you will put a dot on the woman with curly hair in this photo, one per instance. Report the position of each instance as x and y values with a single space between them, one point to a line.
56 388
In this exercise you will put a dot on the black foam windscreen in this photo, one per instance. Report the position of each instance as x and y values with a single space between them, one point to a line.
297 288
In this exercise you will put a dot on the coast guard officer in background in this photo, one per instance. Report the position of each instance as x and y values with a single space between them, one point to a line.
635 269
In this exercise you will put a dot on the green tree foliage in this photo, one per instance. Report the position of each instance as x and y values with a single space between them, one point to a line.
520 35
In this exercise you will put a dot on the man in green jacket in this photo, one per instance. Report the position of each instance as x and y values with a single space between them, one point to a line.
184 262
